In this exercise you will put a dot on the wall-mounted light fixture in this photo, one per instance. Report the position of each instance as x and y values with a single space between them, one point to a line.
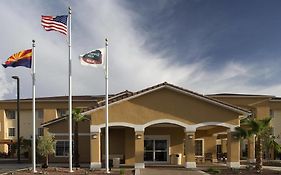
138 136
94 136
190 136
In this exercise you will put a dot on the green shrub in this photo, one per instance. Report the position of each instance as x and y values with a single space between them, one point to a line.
213 171
122 171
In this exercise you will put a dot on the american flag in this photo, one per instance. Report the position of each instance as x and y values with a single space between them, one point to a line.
56 23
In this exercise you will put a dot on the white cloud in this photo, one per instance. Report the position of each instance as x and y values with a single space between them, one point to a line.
132 65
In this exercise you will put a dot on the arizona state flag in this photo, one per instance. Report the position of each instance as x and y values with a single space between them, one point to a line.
23 58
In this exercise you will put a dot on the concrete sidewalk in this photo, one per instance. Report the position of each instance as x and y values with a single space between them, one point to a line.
275 168
5 168
168 171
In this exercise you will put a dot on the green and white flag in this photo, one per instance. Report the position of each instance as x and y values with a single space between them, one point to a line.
95 58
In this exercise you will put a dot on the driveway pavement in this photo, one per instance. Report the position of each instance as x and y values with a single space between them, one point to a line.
7 165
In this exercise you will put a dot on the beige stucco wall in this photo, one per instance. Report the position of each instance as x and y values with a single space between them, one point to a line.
27 105
26 123
210 146
49 114
160 104
60 130
165 104
62 127
84 150
263 111
129 146
3 147
245 102
117 141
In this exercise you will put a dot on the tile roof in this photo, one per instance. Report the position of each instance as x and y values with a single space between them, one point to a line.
60 98
239 95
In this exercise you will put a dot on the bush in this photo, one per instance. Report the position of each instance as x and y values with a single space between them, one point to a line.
213 171
122 171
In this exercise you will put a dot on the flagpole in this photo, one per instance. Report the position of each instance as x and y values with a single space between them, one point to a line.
33 109
106 111
70 92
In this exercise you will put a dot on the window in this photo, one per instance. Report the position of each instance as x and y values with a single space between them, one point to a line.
62 112
11 114
11 132
271 113
199 147
40 131
62 148
39 113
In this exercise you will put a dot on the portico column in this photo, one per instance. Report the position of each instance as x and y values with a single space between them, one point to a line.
95 150
233 150
214 148
190 149
251 149
139 149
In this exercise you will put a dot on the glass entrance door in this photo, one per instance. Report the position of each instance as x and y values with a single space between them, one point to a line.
155 150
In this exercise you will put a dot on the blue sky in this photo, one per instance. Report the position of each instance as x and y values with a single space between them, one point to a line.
206 46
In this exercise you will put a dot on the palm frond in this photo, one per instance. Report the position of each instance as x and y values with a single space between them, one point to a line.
77 116
241 132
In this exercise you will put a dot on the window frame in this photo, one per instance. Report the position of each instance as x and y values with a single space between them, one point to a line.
40 113
8 111
61 112
14 132
40 131
67 153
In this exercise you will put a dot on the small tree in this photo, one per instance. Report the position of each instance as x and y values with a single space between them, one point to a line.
46 146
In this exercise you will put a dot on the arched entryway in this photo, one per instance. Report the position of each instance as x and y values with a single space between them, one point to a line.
162 143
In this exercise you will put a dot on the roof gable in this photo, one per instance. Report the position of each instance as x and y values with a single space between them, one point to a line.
127 96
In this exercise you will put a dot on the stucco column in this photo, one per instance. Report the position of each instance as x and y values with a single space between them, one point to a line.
251 149
95 150
214 148
233 150
190 149
224 145
139 149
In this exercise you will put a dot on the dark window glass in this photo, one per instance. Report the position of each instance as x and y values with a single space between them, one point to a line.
11 114
199 147
12 132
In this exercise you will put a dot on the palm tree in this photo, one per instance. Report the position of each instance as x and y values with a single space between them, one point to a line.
46 146
259 128
77 117
270 143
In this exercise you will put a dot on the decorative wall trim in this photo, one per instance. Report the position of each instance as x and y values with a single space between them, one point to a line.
95 165
175 122
230 126
139 165
190 165
67 134
188 128
233 164
251 160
